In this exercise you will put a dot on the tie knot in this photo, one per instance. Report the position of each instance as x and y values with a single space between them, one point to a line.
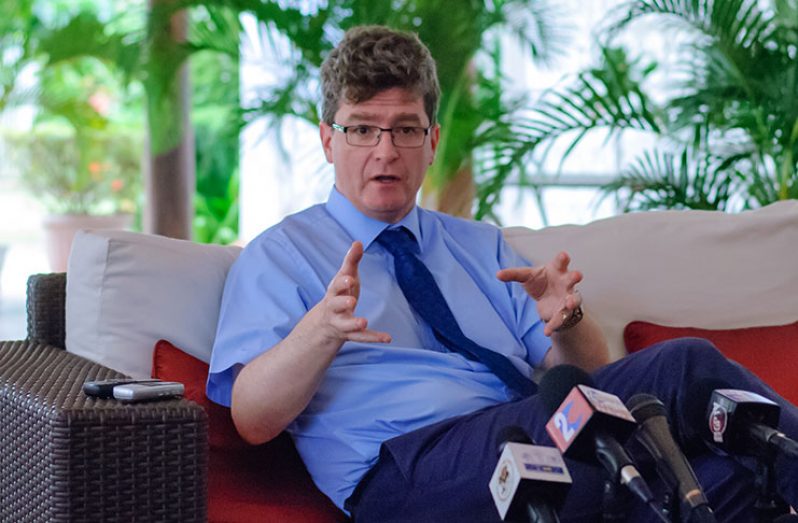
399 241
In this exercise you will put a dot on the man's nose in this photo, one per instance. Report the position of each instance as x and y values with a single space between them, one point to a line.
385 149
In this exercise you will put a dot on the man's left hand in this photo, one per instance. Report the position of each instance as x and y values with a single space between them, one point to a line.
551 286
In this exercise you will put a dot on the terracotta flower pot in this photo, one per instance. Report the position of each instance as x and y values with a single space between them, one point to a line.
60 229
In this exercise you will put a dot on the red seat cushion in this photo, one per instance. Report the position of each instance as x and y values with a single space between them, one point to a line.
769 352
245 483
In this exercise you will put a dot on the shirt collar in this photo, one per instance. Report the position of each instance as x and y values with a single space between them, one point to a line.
361 227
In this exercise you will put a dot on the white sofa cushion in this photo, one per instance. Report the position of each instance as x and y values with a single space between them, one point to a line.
680 268
125 291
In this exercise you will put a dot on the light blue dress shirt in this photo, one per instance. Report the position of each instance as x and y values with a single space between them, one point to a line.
373 392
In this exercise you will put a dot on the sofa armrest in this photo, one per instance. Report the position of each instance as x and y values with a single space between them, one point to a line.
46 301
68 457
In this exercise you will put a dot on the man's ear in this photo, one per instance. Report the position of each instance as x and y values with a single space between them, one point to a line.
326 133
435 136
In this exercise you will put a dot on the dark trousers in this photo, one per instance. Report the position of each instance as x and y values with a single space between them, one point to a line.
440 473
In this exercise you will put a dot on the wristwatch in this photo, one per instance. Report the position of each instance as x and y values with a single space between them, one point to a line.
569 320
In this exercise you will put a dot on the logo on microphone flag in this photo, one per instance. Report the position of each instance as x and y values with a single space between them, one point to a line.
569 419
718 421
505 480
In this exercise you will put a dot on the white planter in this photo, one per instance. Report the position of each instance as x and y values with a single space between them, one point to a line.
60 229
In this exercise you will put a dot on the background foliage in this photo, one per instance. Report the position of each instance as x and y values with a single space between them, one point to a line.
725 120
96 173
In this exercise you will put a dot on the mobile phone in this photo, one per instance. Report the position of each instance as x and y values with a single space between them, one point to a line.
148 390
104 389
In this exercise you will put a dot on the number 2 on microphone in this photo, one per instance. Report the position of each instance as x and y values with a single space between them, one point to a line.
561 422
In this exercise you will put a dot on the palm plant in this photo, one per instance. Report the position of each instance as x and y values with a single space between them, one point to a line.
728 126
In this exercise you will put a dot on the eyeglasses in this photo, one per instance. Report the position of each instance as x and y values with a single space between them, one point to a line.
369 135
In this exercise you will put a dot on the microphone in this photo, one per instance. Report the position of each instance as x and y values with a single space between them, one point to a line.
525 472
655 435
588 424
737 421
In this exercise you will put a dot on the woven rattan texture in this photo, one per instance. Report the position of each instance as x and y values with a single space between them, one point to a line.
67 457
46 299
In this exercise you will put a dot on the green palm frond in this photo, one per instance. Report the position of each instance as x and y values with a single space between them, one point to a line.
303 28
85 35
660 179
215 29
608 97
19 31
734 24
530 23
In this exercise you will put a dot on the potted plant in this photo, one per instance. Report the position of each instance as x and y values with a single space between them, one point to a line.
87 179
82 156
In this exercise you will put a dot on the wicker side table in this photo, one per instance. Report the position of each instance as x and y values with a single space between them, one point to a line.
68 457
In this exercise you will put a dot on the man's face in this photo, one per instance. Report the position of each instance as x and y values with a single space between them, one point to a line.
381 181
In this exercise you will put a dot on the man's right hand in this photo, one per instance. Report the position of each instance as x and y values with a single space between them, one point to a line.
335 313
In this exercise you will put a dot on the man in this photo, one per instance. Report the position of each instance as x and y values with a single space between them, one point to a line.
394 419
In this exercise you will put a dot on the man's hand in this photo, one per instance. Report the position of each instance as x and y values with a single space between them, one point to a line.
551 286
336 311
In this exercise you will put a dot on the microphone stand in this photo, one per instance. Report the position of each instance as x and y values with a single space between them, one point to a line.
769 504
613 502
670 506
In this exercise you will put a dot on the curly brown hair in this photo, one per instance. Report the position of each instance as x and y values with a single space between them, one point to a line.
373 58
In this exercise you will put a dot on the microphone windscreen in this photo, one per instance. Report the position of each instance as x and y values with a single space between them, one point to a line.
512 434
698 396
645 406
557 382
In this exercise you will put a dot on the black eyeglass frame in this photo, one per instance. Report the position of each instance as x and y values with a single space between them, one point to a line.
344 128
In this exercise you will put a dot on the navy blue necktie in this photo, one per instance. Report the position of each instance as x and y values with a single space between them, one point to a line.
424 295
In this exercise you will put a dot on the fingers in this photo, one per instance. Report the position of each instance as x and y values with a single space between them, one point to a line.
342 285
524 274
573 278
573 301
342 304
348 324
346 281
556 321
519 274
353 328
561 261
338 307
369 336
352 259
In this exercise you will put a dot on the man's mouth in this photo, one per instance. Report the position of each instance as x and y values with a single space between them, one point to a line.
386 178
